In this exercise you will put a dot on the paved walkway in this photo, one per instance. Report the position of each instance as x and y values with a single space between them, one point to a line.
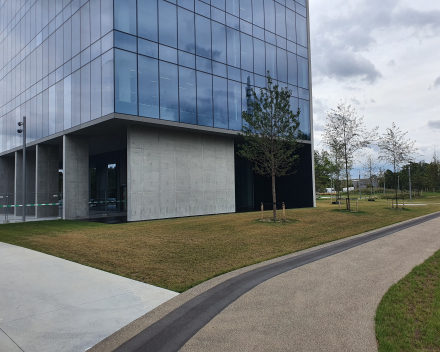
50 304
325 305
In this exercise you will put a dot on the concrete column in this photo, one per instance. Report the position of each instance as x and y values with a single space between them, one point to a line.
7 173
30 181
76 177
47 180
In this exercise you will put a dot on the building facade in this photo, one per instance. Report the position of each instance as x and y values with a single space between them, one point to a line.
135 104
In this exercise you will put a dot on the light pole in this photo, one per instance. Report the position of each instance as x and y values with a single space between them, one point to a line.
409 174
398 183
359 185
22 124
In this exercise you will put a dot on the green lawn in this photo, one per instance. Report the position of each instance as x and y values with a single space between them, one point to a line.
179 253
408 317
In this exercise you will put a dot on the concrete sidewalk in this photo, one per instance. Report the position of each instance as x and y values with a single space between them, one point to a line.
326 305
51 304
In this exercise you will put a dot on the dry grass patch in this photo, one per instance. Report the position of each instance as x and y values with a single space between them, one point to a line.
179 253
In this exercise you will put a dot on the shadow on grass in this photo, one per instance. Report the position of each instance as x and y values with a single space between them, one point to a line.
353 212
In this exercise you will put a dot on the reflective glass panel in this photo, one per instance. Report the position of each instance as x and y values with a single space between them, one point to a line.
290 25
260 55
67 102
95 87
292 69
125 16
219 42
301 30
246 10
169 104
220 102
303 72
280 20
85 93
204 99
271 60
125 82
125 41
186 31
282 65
148 87
233 40
167 24
187 95
234 104
247 53
148 48
147 19
203 37
269 15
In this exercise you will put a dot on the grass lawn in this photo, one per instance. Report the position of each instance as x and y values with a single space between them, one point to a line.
408 317
179 253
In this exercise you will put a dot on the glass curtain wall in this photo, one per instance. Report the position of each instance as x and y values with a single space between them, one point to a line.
56 65
191 61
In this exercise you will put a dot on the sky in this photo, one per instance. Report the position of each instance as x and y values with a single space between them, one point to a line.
383 58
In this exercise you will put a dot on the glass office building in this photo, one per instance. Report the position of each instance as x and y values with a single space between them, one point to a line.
119 78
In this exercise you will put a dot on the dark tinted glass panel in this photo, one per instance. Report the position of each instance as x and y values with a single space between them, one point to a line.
125 82
282 65
304 118
271 60
125 16
303 72
147 19
292 69
232 7
203 37
204 99
169 104
259 54
125 41
301 30
167 24
247 53
148 87
186 31
234 104
148 48
187 95
233 47
269 15
219 42
220 102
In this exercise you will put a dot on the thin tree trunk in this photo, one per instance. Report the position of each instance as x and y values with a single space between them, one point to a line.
346 174
274 198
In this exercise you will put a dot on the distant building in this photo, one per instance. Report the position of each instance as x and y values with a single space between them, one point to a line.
366 182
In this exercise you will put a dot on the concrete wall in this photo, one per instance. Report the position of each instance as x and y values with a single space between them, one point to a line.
75 177
47 180
7 172
30 181
174 173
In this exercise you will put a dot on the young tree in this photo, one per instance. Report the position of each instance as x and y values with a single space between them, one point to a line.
434 172
346 134
396 149
270 133
370 168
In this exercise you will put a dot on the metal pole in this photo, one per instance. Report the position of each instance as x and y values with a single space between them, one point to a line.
359 185
398 183
409 173
24 169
